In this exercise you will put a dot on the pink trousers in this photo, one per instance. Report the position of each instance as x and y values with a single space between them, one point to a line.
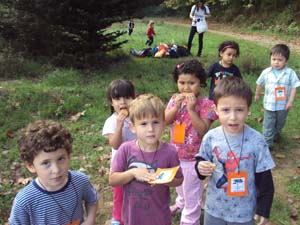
189 195
117 203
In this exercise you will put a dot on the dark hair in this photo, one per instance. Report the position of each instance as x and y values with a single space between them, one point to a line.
202 7
43 135
193 67
229 44
281 49
233 86
119 88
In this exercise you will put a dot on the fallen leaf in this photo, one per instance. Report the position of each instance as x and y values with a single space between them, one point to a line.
77 116
10 134
296 137
23 180
294 214
260 119
98 148
280 156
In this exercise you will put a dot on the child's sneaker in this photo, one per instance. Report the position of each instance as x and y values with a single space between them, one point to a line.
175 209
115 222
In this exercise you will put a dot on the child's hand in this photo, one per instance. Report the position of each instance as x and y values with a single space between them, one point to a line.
191 101
120 119
142 174
289 106
262 220
206 168
256 98
178 100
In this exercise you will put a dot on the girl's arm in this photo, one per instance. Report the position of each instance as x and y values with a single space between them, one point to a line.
290 103
170 113
121 178
200 124
91 211
115 139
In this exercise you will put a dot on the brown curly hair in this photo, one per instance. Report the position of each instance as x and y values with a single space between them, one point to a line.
43 135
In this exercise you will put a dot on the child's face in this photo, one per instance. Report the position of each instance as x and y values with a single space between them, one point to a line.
227 56
51 169
232 112
121 103
188 83
278 62
148 130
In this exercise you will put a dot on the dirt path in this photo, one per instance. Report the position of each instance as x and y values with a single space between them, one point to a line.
226 30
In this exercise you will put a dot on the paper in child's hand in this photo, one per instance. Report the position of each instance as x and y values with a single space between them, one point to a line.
165 175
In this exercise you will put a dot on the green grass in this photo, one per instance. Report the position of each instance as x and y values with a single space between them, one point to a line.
60 93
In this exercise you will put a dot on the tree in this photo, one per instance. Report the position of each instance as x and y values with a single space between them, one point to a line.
74 29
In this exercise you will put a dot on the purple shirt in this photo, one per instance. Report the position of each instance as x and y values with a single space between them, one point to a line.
144 203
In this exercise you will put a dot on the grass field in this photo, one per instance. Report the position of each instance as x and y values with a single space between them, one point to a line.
60 94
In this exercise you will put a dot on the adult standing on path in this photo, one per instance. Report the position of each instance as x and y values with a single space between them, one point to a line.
198 13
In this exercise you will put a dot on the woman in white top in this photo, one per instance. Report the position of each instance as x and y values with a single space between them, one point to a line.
198 13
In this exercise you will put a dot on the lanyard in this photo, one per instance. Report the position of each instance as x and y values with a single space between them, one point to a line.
236 160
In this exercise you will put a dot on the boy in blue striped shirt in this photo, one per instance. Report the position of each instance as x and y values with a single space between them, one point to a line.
57 194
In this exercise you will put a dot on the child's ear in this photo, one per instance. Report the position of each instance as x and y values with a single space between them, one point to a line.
132 127
215 108
30 167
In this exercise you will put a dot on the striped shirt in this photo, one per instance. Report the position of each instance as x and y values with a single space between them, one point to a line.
36 206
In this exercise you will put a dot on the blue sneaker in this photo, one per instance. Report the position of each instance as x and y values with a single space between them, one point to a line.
115 222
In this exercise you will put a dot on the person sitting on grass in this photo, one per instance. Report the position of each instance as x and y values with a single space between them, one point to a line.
57 195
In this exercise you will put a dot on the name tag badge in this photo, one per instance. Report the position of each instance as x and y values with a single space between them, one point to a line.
75 222
179 132
280 93
237 184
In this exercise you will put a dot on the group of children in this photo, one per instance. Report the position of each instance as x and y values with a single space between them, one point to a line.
150 33
233 156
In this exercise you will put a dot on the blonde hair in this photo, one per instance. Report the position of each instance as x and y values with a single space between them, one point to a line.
146 105
150 22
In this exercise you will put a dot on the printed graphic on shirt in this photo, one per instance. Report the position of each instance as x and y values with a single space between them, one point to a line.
230 165
219 75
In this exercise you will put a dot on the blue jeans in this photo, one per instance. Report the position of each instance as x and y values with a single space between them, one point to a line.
211 220
274 121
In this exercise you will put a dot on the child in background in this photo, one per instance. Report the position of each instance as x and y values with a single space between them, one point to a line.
190 115
130 26
58 194
116 128
228 51
136 161
150 33
280 83
237 161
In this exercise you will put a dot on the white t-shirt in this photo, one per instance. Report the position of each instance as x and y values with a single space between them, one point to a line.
110 128
198 14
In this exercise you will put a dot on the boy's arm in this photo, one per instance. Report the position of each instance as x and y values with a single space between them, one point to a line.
257 92
265 193
91 211
121 178
290 103
175 182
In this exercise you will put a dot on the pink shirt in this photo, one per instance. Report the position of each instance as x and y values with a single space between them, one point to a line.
192 140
